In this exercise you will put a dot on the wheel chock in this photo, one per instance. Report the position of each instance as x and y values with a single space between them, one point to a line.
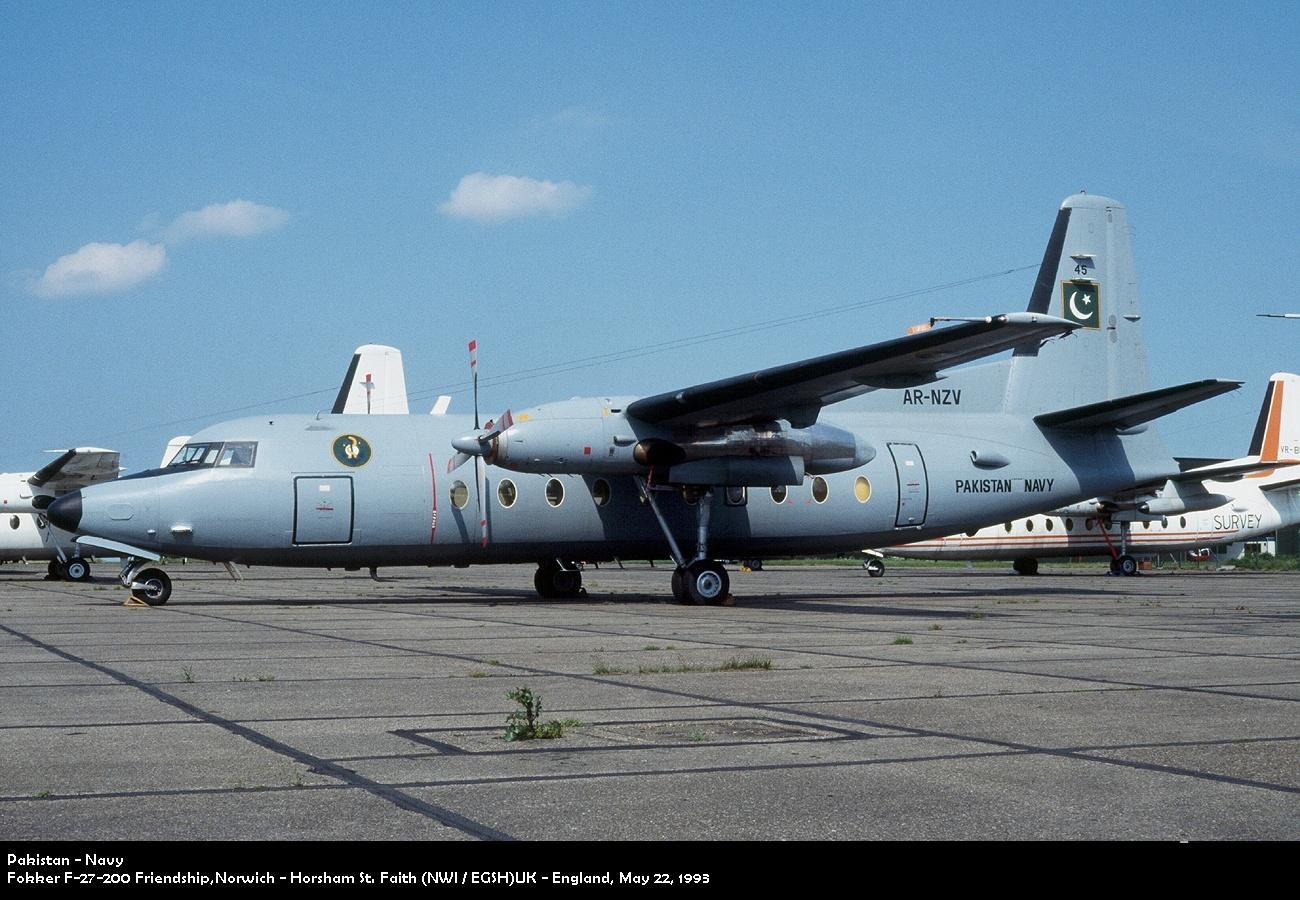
134 602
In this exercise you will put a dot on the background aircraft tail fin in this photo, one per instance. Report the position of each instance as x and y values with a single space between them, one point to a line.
1087 277
375 383
1277 432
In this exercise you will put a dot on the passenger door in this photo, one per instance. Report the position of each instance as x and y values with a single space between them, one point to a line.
913 485
322 511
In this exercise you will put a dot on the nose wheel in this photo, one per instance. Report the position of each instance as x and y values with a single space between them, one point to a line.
149 586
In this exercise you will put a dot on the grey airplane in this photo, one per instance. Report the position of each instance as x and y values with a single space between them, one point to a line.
868 447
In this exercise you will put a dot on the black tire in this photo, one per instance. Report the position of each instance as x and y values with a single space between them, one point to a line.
552 581
155 588
679 587
707 582
875 566
55 571
754 565
1126 565
1025 565
77 569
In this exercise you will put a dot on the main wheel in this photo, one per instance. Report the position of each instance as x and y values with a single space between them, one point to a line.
874 565
553 582
55 571
1025 565
78 569
1126 565
679 587
152 586
707 582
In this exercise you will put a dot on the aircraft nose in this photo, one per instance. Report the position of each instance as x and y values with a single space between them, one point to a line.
65 512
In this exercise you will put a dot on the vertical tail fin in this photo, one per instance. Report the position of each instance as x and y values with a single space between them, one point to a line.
1087 277
374 384
1277 432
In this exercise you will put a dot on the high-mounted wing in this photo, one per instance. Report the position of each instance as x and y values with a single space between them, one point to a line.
74 469
796 392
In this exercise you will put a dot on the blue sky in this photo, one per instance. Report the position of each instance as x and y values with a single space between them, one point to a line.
205 207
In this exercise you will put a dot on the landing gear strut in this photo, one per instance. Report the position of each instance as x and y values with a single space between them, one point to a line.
557 579
701 580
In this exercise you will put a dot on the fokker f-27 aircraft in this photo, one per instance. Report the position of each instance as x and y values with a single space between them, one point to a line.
1216 504
748 467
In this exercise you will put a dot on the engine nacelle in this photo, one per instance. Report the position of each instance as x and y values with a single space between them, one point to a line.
594 436
1174 506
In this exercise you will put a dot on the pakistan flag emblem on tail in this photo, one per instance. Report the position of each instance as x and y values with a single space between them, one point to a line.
1082 302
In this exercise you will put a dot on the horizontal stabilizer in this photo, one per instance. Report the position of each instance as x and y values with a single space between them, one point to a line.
797 391
1282 484
1135 409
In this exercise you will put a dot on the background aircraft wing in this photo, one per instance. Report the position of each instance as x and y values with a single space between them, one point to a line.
797 391
74 469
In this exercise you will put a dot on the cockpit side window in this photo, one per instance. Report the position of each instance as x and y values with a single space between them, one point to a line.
196 455
238 454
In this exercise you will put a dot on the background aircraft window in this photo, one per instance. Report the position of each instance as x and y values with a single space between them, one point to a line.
1164 522
1007 528
819 489
1048 523
1069 524
862 489
972 532
1029 524
506 493
238 454
459 494
600 491
1088 523
554 492
778 493
1182 521
1147 524
736 496
14 523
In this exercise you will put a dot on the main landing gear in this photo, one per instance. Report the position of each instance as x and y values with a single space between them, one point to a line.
1121 563
1025 565
558 579
74 569
700 580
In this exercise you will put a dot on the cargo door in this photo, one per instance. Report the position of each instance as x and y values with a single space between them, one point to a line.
913 486
322 510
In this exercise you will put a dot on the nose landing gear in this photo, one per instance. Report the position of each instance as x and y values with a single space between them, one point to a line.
150 586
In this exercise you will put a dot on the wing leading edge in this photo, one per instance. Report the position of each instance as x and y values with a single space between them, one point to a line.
797 391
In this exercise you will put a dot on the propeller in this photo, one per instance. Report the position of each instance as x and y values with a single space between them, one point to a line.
480 444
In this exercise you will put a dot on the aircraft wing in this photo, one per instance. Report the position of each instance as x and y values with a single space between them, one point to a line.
1232 470
797 391
74 469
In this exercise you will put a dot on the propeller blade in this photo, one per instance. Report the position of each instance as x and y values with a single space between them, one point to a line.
480 470
473 375
457 461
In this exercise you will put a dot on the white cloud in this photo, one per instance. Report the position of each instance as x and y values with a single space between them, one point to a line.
238 218
101 269
496 198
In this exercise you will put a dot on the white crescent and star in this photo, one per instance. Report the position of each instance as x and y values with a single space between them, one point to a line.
1074 309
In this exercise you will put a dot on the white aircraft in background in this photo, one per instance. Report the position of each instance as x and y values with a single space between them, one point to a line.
374 384
1218 504
1278 315
25 533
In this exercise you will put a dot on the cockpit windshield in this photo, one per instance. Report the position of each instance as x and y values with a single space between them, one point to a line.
231 454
